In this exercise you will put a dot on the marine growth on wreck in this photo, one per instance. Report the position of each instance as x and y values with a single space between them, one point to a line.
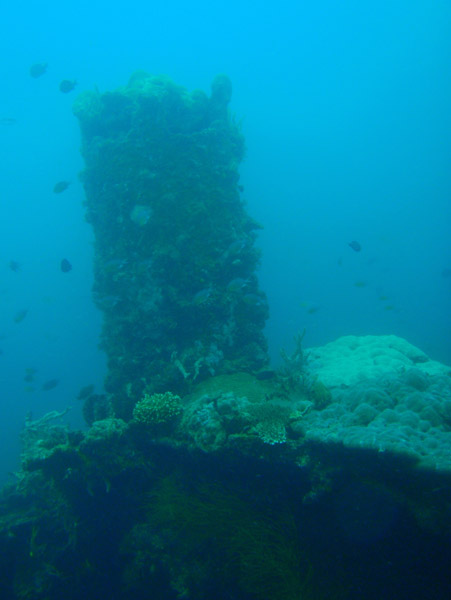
203 473
175 255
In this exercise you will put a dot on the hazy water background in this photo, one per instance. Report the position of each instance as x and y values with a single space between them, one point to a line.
345 109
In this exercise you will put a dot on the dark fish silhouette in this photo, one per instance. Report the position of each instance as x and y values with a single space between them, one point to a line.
237 285
355 246
38 69
67 85
60 187
49 385
20 315
14 266
312 310
65 266
85 392
8 121
30 372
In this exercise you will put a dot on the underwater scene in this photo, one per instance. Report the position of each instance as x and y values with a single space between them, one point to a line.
225 291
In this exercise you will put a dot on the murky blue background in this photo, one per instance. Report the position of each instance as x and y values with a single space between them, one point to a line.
345 109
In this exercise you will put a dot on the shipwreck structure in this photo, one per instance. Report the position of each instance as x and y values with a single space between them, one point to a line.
175 255
204 474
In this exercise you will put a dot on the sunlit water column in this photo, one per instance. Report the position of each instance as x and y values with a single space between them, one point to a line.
175 255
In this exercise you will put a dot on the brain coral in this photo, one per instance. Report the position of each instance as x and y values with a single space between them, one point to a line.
351 359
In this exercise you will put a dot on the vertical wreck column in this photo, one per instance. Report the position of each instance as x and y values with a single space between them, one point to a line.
175 258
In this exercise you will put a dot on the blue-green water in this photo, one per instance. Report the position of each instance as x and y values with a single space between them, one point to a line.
344 108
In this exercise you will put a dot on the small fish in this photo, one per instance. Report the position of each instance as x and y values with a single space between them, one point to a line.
234 249
8 121
60 187
360 284
49 385
253 300
141 214
67 85
202 296
389 307
85 392
65 266
14 266
38 69
312 310
20 315
355 246
30 372
383 298
446 272
237 284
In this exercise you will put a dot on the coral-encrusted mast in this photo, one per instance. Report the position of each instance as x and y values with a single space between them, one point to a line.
175 256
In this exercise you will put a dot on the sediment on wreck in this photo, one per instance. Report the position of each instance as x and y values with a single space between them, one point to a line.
175 257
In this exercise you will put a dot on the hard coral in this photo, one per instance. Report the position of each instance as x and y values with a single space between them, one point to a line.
157 409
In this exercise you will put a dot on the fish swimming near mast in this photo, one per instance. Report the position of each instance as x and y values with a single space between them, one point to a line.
38 69
67 85
49 385
60 187
65 266
355 246
20 315
14 266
